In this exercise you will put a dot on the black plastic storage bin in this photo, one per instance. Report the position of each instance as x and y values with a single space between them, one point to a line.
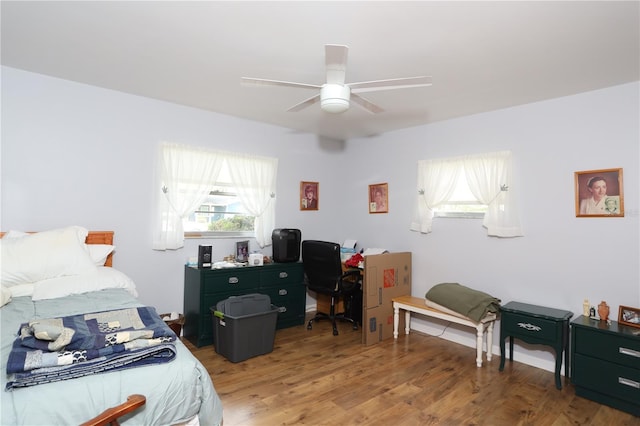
244 326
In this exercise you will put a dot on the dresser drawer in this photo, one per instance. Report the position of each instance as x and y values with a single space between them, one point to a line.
607 378
281 275
217 281
610 347
523 326
290 302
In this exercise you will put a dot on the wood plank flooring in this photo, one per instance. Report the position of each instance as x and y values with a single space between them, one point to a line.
315 378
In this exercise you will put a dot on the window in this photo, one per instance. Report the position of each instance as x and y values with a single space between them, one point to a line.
467 186
220 214
462 203
200 190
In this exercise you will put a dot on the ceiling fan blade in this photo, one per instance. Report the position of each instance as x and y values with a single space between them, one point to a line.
248 81
307 102
366 104
391 84
336 63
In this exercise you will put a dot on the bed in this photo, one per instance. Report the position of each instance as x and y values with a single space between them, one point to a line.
176 392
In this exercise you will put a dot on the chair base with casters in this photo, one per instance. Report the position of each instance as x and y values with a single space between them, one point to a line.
342 316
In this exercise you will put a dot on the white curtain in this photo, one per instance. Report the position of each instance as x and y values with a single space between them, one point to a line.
489 178
436 182
184 177
255 180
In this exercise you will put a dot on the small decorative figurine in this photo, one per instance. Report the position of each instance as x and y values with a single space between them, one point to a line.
603 311
585 308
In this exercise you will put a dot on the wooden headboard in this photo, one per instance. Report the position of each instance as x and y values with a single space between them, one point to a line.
95 237
102 237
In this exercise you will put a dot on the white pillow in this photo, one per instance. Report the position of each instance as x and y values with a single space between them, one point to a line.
48 254
5 296
21 290
15 234
99 253
100 279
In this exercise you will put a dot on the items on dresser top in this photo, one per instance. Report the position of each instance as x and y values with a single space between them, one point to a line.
605 360
536 325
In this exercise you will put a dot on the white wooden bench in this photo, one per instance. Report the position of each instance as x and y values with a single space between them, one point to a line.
416 304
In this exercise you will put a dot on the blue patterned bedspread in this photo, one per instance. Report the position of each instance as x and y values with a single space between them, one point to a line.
49 350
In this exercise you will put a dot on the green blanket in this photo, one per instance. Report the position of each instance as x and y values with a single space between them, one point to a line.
469 302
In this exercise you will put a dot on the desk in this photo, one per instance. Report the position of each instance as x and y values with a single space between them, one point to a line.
536 325
384 277
415 304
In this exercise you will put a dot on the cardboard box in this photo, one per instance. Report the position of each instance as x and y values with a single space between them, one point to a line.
386 276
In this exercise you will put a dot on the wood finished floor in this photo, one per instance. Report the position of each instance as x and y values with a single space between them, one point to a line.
315 378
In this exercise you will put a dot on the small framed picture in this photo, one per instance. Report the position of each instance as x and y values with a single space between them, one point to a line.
379 198
599 193
242 251
309 195
629 316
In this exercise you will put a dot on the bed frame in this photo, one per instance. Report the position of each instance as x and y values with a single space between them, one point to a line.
110 416
95 237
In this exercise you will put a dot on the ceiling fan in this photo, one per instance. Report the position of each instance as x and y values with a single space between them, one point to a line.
335 94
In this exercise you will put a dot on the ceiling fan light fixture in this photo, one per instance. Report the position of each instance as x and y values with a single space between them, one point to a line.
334 98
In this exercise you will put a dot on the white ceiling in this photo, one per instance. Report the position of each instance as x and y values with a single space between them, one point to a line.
482 56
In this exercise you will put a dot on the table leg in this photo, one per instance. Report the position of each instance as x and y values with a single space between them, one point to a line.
502 354
479 334
407 322
510 348
558 366
490 341
396 320
567 361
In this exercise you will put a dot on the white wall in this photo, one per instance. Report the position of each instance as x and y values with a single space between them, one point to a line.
562 259
76 154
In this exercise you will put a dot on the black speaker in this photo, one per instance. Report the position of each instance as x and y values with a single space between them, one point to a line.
204 256
286 245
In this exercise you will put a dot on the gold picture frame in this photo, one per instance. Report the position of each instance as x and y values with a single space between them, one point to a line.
599 193
629 316
379 198
309 195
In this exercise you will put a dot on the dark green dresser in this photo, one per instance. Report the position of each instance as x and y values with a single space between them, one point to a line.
204 288
606 363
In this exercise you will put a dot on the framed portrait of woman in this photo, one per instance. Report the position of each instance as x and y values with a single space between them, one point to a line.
379 198
599 193
309 195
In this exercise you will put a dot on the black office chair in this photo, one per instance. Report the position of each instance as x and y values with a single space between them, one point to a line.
323 274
